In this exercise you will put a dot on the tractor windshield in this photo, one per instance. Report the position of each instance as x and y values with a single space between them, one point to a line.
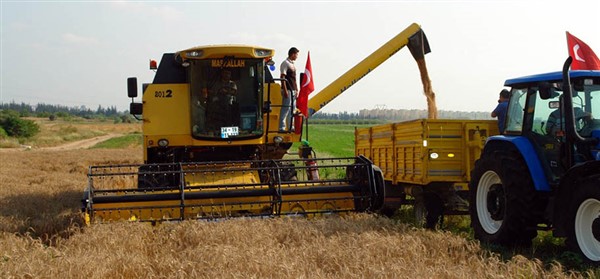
544 119
549 115
225 98
586 104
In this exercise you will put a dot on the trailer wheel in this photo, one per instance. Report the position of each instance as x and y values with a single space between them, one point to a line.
428 210
584 225
501 200
394 199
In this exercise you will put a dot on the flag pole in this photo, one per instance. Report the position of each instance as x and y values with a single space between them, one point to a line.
306 119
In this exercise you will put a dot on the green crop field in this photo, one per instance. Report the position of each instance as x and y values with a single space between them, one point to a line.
129 140
331 140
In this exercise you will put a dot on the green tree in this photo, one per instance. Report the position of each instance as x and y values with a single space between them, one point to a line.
3 133
16 126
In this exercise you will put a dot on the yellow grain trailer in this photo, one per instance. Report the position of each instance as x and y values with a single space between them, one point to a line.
429 160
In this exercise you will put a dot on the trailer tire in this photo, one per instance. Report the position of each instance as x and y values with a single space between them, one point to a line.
428 211
502 199
583 233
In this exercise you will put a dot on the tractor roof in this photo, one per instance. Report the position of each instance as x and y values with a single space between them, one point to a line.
551 77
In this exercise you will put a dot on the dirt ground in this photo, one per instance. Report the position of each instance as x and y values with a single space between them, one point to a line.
80 144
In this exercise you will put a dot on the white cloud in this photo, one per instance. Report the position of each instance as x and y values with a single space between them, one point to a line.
76 39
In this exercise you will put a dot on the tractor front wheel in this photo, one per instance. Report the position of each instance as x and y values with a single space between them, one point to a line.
501 199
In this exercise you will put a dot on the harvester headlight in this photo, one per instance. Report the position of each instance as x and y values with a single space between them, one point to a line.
278 139
434 155
424 143
195 53
163 142
262 52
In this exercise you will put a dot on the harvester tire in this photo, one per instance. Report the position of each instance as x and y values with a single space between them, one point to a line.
502 199
583 233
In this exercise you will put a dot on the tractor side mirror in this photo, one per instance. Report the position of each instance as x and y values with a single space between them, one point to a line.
547 91
132 90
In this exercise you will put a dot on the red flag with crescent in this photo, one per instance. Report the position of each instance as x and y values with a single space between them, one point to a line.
307 86
583 56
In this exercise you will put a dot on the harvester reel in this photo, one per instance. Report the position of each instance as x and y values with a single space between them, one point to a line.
207 190
159 176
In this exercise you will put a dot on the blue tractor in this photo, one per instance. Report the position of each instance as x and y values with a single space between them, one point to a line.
543 172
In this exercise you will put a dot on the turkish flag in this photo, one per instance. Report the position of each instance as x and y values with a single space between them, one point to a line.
583 56
307 86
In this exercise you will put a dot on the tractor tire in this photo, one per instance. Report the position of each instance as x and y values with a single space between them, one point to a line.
502 199
583 232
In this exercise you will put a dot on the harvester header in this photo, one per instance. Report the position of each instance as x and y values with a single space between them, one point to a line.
210 190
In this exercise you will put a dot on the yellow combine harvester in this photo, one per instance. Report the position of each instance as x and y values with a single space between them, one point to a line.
212 145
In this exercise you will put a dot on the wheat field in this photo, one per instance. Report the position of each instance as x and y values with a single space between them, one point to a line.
42 236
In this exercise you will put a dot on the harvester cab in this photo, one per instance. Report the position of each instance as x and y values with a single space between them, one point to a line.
544 171
212 103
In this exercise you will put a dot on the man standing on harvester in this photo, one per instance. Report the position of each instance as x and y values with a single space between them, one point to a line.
289 88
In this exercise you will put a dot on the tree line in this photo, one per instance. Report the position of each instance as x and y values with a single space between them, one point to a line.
45 110
396 115
13 124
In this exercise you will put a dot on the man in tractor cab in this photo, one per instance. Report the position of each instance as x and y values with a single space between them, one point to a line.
583 125
222 107
582 120
226 86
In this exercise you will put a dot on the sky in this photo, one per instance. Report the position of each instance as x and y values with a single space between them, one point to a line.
80 53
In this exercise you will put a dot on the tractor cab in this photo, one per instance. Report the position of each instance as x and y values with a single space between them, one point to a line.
538 111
